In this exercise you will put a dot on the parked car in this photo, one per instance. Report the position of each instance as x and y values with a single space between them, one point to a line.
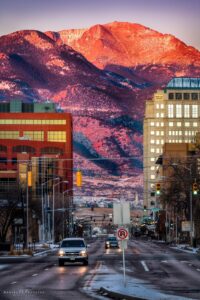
73 250
111 242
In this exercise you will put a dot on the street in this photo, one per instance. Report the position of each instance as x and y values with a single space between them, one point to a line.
153 268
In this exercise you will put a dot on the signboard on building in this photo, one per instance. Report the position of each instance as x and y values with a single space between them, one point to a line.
185 226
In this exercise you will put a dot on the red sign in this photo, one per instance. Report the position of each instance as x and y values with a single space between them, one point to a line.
122 233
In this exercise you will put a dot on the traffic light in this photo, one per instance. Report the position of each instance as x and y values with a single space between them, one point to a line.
78 178
195 188
29 178
157 188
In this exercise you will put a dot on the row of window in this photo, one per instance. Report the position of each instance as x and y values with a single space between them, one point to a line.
32 122
180 111
29 149
184 96
157 133
52 136
157 124
185 124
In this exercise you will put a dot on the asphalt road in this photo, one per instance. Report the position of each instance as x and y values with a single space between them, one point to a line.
168 270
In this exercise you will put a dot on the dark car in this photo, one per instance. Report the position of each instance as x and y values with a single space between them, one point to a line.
111 242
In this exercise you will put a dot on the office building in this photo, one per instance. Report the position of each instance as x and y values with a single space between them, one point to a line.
172 116
34 138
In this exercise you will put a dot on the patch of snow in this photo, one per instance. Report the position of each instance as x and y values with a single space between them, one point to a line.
114 282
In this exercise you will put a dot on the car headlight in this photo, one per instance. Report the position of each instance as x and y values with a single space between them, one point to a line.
107 243
61 252
83 253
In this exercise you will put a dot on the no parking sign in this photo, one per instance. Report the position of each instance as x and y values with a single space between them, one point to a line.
122 234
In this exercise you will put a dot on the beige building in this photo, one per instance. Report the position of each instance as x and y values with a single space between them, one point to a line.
172 116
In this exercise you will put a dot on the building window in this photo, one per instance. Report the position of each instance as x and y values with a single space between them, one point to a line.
152 168
195 124
152 159
162 124
51 150
170 111
157 150
56 136
186 111
157 142
152 132
157 124
9 135
178 96
3 148
162 133
186 96
171 124
194 111
157 133
23 148
194 96
34 135
152 176
187 124
157 106
179 124
152 124
171 96
152 142
162 106
152 150
157 115
178 111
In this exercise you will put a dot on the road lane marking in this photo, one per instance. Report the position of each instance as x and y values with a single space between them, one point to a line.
198 270
88 283
34 275
13 282
46 269
144 266
164 261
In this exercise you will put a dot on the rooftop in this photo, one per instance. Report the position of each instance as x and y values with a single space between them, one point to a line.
184 83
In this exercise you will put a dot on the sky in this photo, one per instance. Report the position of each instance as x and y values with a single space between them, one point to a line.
177 17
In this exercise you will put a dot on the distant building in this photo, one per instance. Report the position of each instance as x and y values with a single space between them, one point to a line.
34 137
172 116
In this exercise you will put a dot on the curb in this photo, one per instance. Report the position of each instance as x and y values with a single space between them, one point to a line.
116 295
42 252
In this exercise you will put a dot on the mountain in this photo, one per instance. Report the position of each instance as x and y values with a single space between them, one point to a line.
102 75
127 44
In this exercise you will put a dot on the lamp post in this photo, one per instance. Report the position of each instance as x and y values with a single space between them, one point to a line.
69 210
190 198
43 219
53 210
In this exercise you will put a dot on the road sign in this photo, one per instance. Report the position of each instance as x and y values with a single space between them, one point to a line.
122 233
121 213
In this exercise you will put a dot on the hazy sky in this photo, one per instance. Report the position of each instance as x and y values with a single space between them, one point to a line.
178 17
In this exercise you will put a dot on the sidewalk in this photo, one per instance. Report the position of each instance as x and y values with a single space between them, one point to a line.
186 248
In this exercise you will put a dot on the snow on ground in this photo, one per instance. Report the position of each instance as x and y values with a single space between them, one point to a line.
107 278
186 248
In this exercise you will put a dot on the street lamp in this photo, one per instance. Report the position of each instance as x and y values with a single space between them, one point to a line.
43 222
53 210
191 207
69 210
